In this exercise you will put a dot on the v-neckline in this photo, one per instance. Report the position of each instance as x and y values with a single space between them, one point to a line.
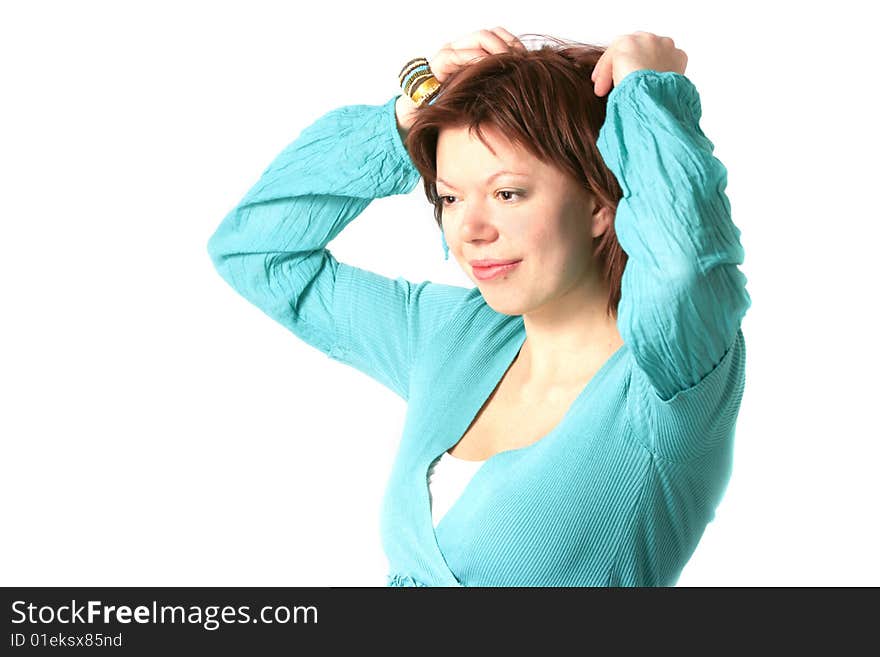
507 362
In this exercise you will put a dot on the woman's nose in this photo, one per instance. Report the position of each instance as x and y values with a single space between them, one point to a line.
476 223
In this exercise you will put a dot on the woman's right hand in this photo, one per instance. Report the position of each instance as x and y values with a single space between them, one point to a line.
451 57
455 54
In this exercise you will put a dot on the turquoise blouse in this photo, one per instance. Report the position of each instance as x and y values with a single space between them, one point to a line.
620 491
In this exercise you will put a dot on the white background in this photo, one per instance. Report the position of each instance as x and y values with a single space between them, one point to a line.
159 430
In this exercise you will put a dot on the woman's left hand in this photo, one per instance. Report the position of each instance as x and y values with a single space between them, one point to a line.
632 52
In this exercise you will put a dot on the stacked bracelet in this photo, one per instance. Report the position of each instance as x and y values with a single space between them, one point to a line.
418 82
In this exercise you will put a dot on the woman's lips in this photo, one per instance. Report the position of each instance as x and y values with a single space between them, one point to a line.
488 273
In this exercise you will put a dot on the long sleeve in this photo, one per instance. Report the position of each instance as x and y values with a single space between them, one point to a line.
271 248
682 295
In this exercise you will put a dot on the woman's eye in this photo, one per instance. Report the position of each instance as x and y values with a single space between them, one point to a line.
503 191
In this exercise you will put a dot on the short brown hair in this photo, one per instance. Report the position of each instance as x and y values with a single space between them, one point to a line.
542 100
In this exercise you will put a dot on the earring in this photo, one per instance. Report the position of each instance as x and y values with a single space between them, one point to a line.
445 245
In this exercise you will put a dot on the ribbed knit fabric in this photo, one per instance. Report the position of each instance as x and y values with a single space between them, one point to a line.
621 490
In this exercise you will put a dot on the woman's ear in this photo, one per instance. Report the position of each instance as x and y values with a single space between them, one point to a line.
602 219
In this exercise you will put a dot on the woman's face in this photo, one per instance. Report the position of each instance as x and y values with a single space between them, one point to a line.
539 217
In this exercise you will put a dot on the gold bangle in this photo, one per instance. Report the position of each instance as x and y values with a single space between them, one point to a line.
426 91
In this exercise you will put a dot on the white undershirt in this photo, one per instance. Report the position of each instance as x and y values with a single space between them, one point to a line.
447 478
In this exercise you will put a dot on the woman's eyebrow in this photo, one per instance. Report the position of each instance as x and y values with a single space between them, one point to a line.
488 180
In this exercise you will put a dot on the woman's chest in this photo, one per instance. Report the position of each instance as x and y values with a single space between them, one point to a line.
511 418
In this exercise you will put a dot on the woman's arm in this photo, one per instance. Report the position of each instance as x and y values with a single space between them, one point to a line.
405 112
683 297
271 248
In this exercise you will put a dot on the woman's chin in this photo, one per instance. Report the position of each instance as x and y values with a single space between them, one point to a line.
503 306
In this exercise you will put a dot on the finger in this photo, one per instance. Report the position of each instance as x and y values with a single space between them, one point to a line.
485 39
511 40
602 73
494 41
596 68
466 56
599 68
449 60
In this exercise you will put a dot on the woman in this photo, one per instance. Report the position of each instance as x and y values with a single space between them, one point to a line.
570 419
